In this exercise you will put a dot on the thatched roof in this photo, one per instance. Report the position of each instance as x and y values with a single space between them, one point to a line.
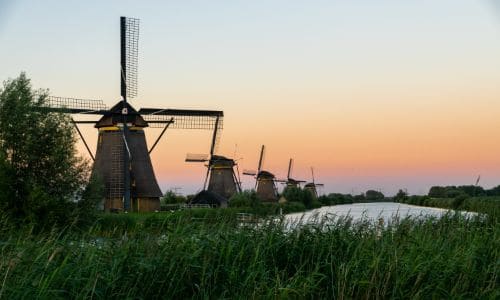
221 161
207 197
265 174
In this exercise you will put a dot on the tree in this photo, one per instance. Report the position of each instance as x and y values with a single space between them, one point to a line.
171 197
437 192
38 153
296 194
245 199
401 196
472 190
359 198
493 191
372 195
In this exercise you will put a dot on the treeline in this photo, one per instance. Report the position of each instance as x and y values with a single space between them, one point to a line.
456 197
452 191
337 198
292 199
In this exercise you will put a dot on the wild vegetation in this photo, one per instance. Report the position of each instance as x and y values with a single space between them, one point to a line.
54 244
174 256
468 198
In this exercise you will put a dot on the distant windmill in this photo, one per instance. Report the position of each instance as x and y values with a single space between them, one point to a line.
290 182
221 177
265 182
122 159
312 186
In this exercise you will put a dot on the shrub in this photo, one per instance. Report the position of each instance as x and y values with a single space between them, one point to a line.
292 207
296 194
171 197
458 201
244 199
372 195
401 196
315 204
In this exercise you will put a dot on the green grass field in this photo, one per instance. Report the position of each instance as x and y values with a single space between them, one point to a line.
205 254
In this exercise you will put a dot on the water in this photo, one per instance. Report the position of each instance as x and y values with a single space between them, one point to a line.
366 211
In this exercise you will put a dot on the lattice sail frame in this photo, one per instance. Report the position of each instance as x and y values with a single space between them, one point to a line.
184 122
130 51
203 122
74 105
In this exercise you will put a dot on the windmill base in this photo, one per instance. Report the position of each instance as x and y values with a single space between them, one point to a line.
138 204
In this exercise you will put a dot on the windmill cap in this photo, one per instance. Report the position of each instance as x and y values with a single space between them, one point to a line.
265 174
222 160
115 116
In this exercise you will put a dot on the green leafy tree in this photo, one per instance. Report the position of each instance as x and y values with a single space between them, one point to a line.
298 195
493 191
359 198
372 195
401 196
437 192
37 147
245 199
171 197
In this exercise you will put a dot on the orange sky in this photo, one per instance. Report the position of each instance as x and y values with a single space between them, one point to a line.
383 96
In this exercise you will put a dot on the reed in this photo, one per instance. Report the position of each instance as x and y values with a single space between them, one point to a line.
176 257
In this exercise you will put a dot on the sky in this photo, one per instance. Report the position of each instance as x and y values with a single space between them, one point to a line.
373 94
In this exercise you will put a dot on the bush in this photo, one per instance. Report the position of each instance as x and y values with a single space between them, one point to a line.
458 201
437 192
244 199
372 195
293 207
316 204
359 198
295 194
401 196
171 197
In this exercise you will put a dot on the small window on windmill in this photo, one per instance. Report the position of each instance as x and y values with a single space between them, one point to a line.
124 111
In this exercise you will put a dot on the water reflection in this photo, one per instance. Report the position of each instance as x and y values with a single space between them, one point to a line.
381 212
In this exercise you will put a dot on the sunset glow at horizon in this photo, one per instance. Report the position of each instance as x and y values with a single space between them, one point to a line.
381 96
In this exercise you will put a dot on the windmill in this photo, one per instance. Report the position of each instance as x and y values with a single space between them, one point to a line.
312 186
221 177
265 185
122 159
290 182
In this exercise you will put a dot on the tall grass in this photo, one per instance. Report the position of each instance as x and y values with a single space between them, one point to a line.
452 257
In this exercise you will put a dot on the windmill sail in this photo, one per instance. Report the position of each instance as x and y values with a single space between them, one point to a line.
74 105
312 186
265 182
129 46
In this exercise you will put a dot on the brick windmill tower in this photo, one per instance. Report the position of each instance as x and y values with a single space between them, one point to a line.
312 186
221 176
122 159
265 181
290 182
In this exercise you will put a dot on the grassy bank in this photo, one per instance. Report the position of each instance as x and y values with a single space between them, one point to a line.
487 204
178 257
